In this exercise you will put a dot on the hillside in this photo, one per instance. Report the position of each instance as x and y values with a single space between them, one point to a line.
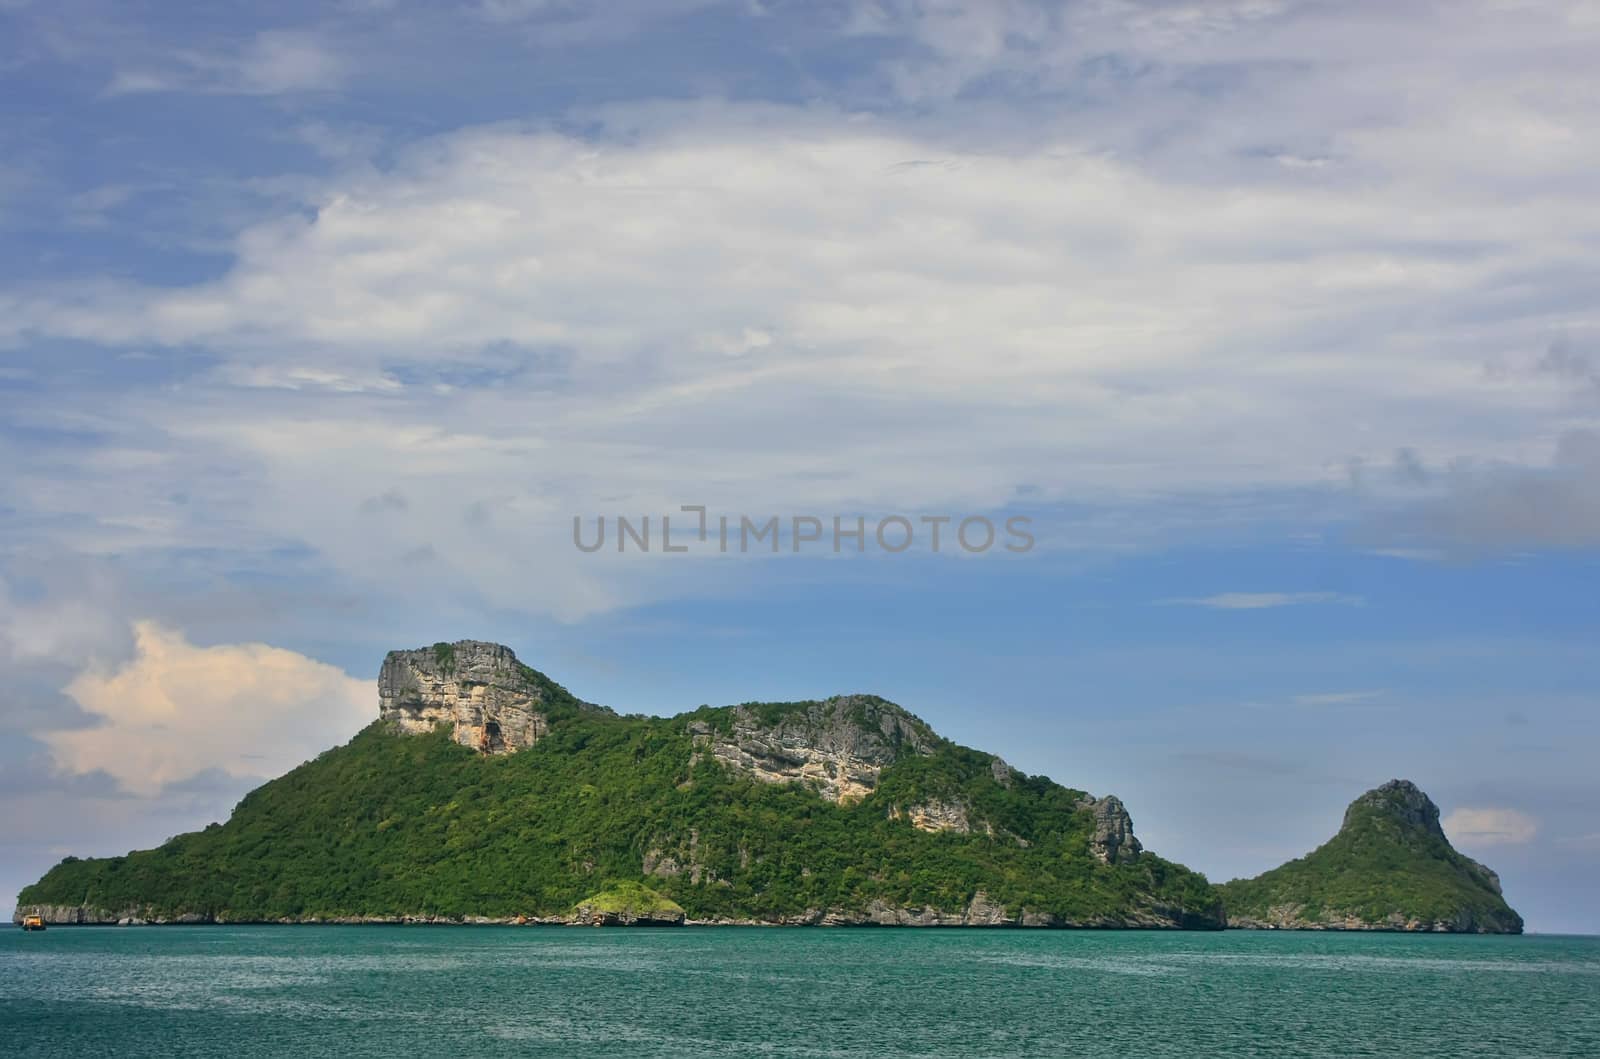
486 790
1390 867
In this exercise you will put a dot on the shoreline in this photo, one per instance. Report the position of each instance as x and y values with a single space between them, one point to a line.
737 924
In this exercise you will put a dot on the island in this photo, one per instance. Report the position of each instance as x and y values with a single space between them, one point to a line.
1390 867
485 792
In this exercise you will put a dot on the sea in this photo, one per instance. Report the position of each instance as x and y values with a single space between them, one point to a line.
413 991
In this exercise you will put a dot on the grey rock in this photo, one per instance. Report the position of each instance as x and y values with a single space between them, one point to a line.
1113 841
838 745
490 701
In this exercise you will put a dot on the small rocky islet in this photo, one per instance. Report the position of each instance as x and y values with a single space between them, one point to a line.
485 792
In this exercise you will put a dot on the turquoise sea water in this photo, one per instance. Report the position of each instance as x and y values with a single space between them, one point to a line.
446 991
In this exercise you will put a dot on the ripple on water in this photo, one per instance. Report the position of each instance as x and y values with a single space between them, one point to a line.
350 993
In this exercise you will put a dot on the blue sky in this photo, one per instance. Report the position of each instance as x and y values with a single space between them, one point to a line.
319 324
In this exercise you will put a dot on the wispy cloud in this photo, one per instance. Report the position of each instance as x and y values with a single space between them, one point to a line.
1336 698
271 63
1417 555
1264 600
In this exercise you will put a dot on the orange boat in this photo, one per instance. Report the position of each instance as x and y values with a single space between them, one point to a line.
32 922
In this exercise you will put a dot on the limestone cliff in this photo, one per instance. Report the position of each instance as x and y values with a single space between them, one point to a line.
838 746
490 701
1113 841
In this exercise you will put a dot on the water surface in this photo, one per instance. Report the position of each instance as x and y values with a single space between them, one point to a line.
426 991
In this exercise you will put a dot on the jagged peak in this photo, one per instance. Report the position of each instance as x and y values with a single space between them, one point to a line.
446 657
869 726
1398 800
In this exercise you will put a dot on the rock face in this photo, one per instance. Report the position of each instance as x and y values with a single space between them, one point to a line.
837 746
1113 841
934 815
1400 800
1389 867
492 702
981 911
590 916
90 916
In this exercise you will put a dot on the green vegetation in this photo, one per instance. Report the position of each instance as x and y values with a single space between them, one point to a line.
1384 863
445 655
631 900
392 825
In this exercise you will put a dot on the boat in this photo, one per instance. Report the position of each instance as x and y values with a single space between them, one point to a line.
32 922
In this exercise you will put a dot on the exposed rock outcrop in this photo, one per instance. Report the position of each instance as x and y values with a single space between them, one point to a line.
837 746
90 916
935 816
1299 917
589 916
627 905
492 702
1113 841
979 912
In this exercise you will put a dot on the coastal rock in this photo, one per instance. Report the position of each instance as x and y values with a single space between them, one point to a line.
837 746
91 916
68 915
627 905
491 702
589 916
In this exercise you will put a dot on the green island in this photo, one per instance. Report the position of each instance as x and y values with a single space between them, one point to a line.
1389 867
486 792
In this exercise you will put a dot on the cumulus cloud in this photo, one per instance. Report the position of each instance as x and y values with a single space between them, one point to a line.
177 711
1490 827
1264 600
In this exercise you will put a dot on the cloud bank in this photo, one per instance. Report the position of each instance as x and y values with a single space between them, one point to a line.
176 712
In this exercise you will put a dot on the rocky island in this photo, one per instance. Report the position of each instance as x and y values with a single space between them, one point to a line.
1390 867
486 792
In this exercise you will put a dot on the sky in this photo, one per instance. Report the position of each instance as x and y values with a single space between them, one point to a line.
321 325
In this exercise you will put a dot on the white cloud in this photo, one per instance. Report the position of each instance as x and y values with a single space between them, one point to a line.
782 309
1265 600
1490 827
1137 308
176 711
